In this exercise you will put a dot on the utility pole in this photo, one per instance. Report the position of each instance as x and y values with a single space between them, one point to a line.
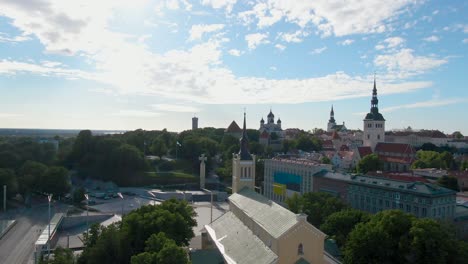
211 208
87 214
49 198
4 198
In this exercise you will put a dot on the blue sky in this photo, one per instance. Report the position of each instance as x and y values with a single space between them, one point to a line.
154 64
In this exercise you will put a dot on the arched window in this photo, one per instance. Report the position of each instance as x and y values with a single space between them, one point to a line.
300 249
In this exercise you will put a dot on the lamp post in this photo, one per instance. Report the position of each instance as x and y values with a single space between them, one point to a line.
87 213
211 207
49 198
121 196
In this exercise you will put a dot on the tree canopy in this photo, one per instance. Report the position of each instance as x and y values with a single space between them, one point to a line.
150 234
369 163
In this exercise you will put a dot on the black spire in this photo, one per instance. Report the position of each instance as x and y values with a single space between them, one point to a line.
244 144
332 116
374 111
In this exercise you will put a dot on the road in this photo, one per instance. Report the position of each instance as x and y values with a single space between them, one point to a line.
17 246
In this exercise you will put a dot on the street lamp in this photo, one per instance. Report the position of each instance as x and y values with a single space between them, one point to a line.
87 213
121 196
211 208
49 198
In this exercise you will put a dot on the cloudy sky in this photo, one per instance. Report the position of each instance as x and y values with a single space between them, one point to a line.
122 64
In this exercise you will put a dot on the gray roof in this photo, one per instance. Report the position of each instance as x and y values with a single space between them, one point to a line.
402 186
237 243
272 217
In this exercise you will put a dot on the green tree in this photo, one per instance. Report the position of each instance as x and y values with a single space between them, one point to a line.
383 239
339 224
61 256
458 135
8 178
158 147
449 182
78 195
55 180
30 175
317 206
325 160
294 203
369 163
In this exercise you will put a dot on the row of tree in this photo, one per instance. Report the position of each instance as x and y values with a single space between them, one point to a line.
27 166
390 236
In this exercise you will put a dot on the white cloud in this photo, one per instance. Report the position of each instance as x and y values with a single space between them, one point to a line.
465 41
136 113
280 47
197 31
425 104
318 50
176 108
219 4
273 68
346 42
329 16
379 47
256 39
194 74
295 37
394 42
431 39
404 63
5 38
235 52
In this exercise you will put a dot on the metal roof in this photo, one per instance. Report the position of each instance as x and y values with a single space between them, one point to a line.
237 243
54 223
272 217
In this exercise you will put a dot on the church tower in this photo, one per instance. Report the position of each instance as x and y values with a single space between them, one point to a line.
331 121
374 123
243 165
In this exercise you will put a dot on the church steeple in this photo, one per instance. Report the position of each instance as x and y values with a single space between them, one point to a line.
374 111
332 116
244 144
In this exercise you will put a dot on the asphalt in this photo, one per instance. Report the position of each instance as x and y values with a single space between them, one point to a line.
17 246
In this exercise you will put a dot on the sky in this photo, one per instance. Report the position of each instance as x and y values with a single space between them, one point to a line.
125 65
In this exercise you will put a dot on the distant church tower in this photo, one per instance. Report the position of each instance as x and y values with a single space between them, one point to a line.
194 123
243 165
331 122
374 123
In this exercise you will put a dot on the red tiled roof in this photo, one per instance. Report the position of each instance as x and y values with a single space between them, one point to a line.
402 160
233 128
335 135
421 133
344 148
400 177
394 148
364 151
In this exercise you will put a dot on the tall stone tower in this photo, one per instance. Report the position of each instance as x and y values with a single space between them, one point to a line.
243 165
194 123
374 123
331 121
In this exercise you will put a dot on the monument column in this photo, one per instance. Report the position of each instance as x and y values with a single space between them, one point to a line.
202 158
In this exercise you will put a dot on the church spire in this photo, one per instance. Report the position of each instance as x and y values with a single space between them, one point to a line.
332 116
244 144
374 111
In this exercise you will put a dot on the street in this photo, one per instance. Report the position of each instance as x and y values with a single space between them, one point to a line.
17 246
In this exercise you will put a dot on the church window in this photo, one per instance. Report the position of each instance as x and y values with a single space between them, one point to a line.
378 136
368 136
300 249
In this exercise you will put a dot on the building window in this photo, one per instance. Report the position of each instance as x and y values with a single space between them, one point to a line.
378 136
300 249
368 136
